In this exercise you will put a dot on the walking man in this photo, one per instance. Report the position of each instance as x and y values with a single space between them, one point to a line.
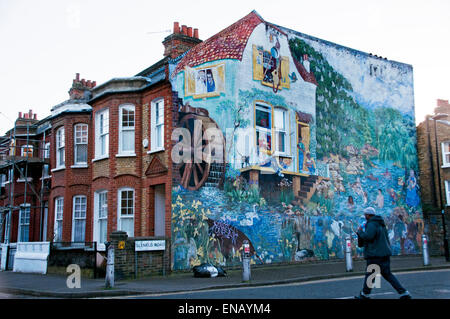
374 238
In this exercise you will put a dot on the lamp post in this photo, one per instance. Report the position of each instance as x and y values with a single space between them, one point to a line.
441 204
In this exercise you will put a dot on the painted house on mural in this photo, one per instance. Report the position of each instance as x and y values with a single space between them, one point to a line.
312 133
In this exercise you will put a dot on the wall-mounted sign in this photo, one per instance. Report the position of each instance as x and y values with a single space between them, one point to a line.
145 245
121 245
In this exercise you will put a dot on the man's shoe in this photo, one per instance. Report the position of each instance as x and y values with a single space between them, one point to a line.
362 296
405 295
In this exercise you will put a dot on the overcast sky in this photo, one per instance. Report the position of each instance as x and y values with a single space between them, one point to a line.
44 43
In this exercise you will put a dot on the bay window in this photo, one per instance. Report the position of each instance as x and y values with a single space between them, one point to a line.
59 209
60 148
126 210
80 144
102 134
79 218
126 129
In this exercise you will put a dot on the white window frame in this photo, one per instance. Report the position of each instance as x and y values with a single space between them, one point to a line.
122 130
102 134
121 217
46 150
98 206
79 140
445 163
157 118
60 148
78 218
262 107
278 130
59 217
24 221
25 150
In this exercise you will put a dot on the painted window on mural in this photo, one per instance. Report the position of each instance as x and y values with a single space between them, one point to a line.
157 125
59 207
446 153
270 68
126 211
280 116
79 219
205 82
24 224
102 134
81 142
126 135
60 147
263 124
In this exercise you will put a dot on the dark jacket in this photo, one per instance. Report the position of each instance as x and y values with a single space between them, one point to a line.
375 239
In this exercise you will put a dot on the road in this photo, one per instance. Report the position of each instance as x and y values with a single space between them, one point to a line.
421 284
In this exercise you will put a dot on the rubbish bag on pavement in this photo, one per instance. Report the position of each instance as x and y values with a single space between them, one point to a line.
207 270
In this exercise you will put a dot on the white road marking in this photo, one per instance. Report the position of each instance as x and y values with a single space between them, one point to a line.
371 295
274 285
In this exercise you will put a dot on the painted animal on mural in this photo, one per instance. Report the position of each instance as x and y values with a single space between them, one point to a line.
308 144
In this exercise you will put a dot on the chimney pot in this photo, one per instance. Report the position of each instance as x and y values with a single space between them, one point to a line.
176 27
189 32
184 29
35 116
94 83
196 33
20 115
26 115
77 77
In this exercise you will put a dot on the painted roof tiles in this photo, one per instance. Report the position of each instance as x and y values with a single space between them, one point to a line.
227 44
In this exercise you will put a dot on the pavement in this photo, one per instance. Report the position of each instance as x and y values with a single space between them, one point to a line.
54 286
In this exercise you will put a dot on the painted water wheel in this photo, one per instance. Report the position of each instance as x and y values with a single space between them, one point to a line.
198 172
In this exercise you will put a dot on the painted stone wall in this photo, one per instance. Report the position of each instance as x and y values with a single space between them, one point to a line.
313 134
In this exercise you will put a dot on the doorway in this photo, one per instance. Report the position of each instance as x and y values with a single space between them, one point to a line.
160 210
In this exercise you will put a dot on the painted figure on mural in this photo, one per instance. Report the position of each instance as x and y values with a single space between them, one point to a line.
310 164
350 204
412 196
400 232
380 199
200 83
357 187
210 83
301 153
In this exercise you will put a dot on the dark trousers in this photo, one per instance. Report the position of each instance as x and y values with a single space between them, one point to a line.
385 269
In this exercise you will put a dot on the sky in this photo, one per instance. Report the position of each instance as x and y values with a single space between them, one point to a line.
44 43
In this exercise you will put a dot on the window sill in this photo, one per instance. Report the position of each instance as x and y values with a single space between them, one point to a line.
282 155
156 150
58 169
45 177
126 155
22 180
445 166
100 158
79 166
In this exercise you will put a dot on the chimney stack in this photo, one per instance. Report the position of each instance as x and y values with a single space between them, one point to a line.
181 40
79 87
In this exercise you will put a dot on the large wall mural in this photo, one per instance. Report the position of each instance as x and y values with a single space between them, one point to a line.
313 133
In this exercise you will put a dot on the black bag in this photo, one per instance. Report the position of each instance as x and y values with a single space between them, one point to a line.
206 270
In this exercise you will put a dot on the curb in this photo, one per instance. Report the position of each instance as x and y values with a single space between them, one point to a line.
122 292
